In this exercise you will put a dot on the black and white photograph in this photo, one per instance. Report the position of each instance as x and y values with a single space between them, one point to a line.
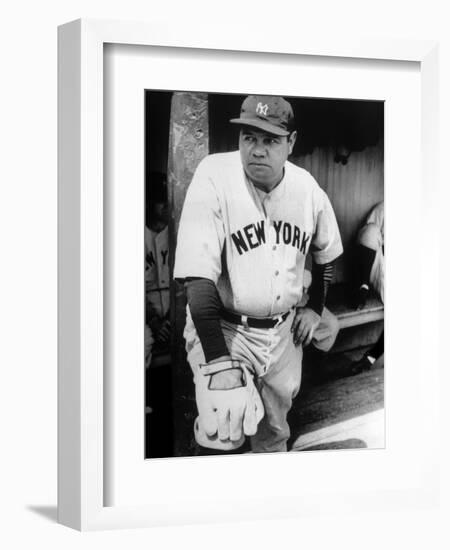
197 293
264 274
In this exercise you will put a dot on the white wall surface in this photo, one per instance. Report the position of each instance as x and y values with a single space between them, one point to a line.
28 275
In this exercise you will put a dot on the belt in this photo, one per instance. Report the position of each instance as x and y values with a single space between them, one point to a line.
254 322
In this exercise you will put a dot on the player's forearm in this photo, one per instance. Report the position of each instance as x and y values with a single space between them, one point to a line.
205 306
322 274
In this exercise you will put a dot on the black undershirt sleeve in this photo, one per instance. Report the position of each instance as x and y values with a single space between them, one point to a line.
206 306
321 274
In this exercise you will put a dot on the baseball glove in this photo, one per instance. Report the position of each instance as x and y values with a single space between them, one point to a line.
226 416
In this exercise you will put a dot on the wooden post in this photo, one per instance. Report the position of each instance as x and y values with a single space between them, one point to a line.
188 144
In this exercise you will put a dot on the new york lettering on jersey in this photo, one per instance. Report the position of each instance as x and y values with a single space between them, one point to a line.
253 235
262 238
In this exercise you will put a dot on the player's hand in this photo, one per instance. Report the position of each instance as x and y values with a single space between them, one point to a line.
228 403
304 325
163 334
227 380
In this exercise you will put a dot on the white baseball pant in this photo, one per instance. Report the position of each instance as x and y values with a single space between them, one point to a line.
277 365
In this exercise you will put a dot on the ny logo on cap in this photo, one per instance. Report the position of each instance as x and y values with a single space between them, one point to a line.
261 109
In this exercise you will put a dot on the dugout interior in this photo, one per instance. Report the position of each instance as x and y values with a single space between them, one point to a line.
340 142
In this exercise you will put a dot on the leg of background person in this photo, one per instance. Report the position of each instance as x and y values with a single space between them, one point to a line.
368 359
378 348
368 242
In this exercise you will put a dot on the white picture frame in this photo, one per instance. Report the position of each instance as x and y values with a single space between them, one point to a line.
81 479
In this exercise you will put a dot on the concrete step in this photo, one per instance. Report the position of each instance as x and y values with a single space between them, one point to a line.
365 431
340 413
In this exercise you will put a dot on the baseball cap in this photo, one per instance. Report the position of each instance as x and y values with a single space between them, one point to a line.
269 113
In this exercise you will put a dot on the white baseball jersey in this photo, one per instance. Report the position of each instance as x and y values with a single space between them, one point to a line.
376 217
253 244
157 270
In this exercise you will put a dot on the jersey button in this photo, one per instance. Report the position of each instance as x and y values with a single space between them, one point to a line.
278 297
274 247
277 272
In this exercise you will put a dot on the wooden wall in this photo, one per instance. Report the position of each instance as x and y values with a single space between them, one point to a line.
352 188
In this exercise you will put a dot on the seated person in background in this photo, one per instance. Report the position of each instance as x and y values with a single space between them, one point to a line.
157 324
368 359
370 256
370 266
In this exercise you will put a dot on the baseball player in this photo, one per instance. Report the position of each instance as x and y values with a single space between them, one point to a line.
370 256
157 278
249 220
370 266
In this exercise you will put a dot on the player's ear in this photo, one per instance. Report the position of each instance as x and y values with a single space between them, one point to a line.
291 140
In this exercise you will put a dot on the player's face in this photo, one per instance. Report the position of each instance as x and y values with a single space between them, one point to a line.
263 155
